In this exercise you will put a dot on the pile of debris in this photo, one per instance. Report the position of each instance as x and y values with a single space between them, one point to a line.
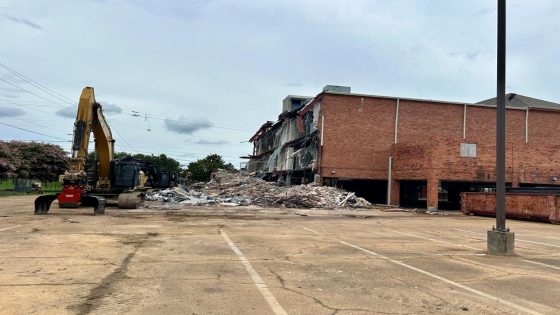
241 188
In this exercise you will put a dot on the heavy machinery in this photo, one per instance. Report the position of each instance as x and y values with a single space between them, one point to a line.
103 181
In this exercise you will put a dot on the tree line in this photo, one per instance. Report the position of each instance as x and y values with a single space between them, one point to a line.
45 162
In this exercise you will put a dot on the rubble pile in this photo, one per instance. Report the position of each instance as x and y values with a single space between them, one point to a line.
241 188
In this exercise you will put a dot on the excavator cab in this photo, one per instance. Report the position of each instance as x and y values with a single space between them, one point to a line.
125 174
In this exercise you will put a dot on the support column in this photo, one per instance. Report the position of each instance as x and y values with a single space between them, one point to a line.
433 193
289 178
395 192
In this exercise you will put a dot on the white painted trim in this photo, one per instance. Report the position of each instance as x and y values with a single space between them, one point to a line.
397 120
322 128
465 121
527 125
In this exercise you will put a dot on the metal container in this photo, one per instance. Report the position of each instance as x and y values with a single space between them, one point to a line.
531 206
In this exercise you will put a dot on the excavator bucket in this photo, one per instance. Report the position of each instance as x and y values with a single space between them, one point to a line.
43 203
98 203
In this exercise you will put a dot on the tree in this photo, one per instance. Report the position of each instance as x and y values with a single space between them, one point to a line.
9 161
40 161
201 169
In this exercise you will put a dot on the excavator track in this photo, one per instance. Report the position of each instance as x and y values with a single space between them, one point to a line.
131 200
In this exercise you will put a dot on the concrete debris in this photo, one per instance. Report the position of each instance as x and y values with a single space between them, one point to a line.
229 188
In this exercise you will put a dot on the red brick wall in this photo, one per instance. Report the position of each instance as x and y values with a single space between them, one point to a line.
419 121
359 138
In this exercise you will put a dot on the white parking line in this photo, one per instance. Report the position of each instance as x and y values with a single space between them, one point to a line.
434 240
517 240
429 274
313 231
9 228
270 299
540 263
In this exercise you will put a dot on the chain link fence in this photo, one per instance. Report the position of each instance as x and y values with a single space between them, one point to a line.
26 185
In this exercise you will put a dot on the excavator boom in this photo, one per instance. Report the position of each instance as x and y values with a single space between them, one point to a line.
89 119
107 180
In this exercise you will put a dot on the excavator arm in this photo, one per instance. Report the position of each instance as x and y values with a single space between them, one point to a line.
119 182
89 119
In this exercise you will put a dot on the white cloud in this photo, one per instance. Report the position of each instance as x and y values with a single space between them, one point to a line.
6 111
234 61
211 142
111 108
186 126
67 112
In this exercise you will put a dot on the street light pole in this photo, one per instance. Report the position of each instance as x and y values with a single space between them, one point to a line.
500 240
501 121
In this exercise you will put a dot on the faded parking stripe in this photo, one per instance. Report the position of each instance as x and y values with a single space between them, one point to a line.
9 228
270 299
464 287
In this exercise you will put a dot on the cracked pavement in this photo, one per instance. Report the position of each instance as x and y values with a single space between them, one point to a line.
322 262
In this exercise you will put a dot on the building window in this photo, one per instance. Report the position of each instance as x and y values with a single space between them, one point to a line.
468 150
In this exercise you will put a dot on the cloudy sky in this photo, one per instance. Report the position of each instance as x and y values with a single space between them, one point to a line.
189 78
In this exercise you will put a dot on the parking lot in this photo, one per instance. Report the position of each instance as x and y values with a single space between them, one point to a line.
248 260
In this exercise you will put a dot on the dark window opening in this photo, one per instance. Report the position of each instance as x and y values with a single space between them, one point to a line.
450 192
374 191
413 193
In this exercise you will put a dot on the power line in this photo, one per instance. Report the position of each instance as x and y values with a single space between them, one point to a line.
70 102
122 139
31 131
20 105
38 85
193 121
27 91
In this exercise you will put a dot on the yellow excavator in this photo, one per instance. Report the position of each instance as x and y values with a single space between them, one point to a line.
101 182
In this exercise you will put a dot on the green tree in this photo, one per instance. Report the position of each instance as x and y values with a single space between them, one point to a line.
201 169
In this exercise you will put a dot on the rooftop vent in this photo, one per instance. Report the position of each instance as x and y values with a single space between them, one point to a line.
337 88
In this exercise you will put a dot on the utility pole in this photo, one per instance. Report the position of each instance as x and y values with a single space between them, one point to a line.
500 240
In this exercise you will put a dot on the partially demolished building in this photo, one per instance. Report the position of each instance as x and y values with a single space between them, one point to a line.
410 152
287 150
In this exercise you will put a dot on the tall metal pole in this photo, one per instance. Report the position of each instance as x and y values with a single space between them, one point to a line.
501 121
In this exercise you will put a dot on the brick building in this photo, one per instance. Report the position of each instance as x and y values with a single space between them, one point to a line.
411 152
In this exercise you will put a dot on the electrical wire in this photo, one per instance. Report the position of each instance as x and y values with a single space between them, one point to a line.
27 91
19 105
38 85
31 131
163 118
